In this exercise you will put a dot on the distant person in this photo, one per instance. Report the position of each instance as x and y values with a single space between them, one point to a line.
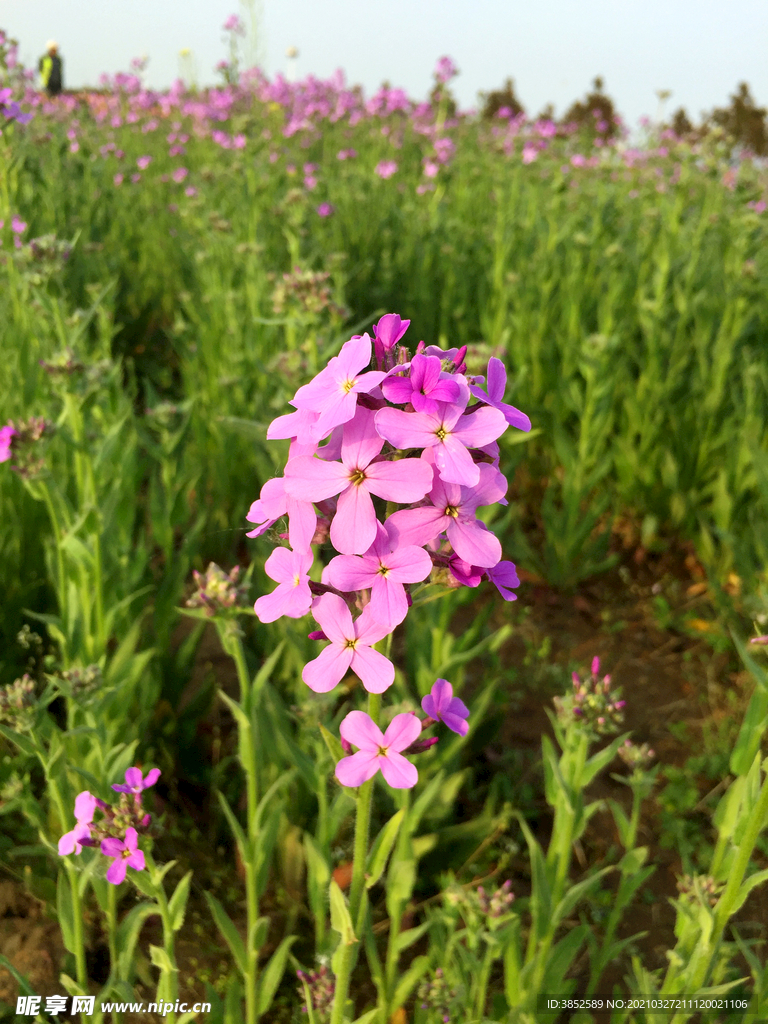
51 69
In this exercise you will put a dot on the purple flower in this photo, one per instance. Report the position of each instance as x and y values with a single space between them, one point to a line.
292 597
387 332
325 210
134 782
7 433
504 578
386 168
442 706
426 385
350 647
497 383
126 854
384 567
378 751
445 70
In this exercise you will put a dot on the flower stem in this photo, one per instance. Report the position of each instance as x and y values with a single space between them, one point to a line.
362 822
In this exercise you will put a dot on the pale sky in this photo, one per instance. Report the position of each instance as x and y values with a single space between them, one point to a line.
699 49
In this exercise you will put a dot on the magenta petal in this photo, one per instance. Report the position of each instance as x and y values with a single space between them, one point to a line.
360 729
116 871
454 463
497 379
85 806
152 776
397 390
112 847
398 772
456 723
357 769
376 672
136 861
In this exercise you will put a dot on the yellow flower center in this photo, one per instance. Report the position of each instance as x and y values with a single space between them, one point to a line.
347 386
451 510
357 477
383 570
383 751
441 433
350 643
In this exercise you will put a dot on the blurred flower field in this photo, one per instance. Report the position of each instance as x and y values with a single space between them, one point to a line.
284 366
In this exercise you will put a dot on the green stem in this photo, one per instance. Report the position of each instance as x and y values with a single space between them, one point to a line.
72 877
362 823
248 750
482 983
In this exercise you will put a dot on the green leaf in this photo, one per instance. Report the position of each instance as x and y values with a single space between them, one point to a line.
561 957
746 888
341 920
128 933
633 860
334 745
541 895
368 1017
382 847
234 824
410 935
273 973
265 672
401 879
622 821
574 895
408 982
601 759
65 911
228 931
160 958
238 713
177 905
258 934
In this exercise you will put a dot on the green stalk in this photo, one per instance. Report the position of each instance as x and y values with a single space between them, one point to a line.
482 983
249 760
72 877
362 823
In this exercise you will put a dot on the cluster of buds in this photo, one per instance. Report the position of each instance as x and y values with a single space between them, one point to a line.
42 257
592 704
307 293
17 704
82 683
17 443
695 887
117 832
499 902
321 985
62 365
218 592
437 994
636 756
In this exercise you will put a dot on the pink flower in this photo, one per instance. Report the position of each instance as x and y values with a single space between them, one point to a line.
180 174
497 384
85 807
350 647
426 385
333 392
353 529
135 178
292 597
325 210
442 706
386 168
143 162
18 226
7 433
384 568
445 70
504 578
453 512
190 191
126 854
450 433
273 503
387 332
430 168
530 152
310 182
238 141
378 750
134 783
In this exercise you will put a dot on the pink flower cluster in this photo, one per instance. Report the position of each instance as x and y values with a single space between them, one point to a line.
116 833
401 431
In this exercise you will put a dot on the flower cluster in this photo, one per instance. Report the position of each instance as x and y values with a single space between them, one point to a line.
216 591
390 461
693 888
117 833
17 443
305 292
82 683
321 987
17 704
592 704
636 756
437 994
499 902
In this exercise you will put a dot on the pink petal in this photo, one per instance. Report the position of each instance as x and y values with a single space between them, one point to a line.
361 442
455 464
397 390
116 871
357 769
311 479
361 731
416 526
328 668
281 565
402 481
408 429
481 427
334 617
398 772
389 605
349 572
474 542
408 564
136 861
497 379
376 672
354 526
286 599
367 629
402 731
